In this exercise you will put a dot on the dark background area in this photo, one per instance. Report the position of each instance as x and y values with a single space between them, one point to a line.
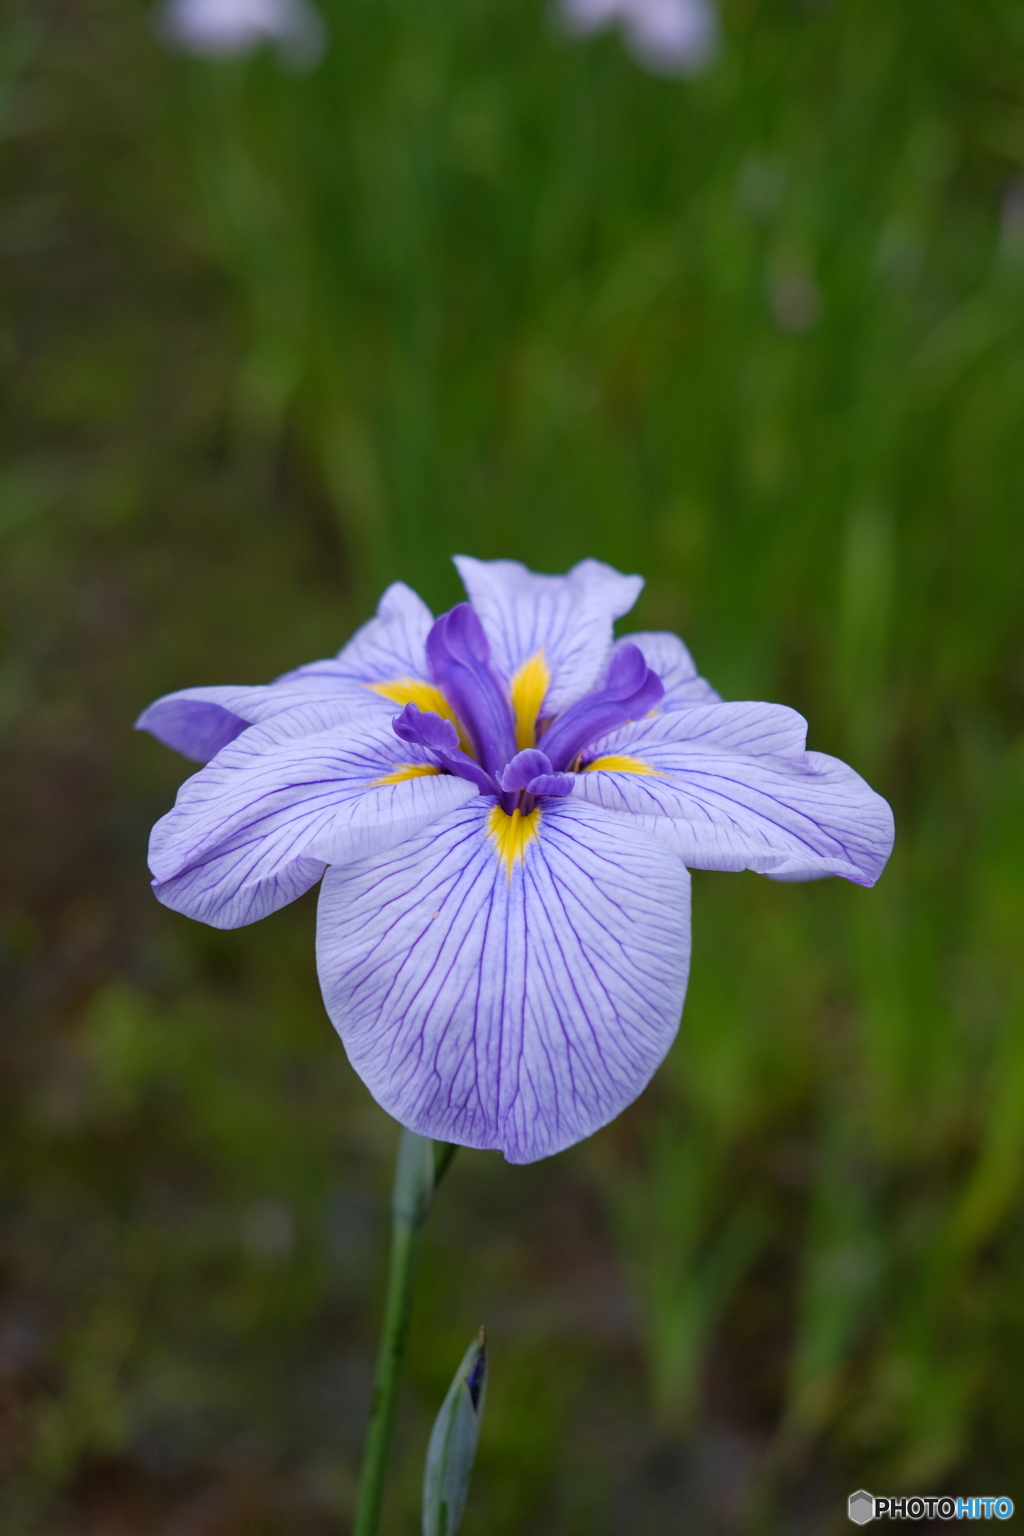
270 340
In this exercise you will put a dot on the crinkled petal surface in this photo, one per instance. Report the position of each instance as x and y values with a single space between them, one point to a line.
729 786
200 722
517 1007
254 829
568 618
666 654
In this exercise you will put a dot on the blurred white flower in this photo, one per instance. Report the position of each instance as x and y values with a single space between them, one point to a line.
223 28
670 37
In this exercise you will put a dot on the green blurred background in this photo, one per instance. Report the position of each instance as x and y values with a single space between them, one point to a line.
271 340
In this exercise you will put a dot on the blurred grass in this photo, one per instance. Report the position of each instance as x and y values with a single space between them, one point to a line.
274 340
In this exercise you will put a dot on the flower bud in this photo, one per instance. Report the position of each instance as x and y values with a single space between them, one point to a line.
453 1444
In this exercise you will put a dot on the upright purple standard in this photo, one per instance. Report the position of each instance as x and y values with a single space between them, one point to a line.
502 804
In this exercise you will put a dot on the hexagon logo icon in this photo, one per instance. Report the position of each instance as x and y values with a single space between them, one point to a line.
861 1507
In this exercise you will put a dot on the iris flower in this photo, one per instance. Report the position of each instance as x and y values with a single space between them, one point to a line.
503 805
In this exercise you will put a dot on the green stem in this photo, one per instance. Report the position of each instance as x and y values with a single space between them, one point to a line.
419 1169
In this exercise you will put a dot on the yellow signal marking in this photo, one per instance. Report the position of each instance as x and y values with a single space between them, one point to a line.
406 771
529 686
512 835
410 690
620 763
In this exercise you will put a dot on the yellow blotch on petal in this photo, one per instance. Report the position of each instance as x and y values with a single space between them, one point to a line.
410 690
620 763
529 686
406 771
512 835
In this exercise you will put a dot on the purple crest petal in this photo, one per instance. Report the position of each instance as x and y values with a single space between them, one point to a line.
526 765
568 617
426 729
629 692
666 654
559 784
441 740
531 770
519 1011
729 786
460 661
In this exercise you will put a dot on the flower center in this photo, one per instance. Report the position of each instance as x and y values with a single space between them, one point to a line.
503 760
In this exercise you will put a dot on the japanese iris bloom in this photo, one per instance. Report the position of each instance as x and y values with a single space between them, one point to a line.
503 804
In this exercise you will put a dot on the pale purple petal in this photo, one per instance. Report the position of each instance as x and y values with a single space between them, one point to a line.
752 728
199 722
389 648
391 644
514 1013
255 828
729 787
568 618
666 654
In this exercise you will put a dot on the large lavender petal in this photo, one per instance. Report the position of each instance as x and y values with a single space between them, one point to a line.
729 786
666 654
519 1006
755 729
568 618
255 828
199 722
